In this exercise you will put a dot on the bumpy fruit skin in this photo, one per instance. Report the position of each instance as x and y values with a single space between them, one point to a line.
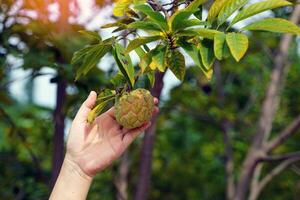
134 109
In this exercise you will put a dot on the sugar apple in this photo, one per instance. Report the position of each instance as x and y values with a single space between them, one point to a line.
134 108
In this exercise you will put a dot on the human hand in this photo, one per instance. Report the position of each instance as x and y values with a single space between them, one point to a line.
92 147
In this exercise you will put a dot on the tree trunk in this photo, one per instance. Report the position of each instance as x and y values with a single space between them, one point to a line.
58 139
147 147
121 180
269 108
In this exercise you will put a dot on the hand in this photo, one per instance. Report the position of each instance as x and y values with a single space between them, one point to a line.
92 147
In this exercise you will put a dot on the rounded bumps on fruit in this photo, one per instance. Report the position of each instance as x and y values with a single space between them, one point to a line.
134 108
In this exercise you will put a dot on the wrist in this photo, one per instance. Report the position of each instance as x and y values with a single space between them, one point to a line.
72 182
72 167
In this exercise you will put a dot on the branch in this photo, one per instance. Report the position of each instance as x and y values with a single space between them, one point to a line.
283 136
282 157
271 101
269 177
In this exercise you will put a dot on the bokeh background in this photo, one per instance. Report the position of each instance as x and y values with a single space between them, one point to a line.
39 98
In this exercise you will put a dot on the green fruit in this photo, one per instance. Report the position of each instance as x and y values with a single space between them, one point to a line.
134 109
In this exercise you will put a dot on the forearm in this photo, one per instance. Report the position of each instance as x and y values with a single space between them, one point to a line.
71 183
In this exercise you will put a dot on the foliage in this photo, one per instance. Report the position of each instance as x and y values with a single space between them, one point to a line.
175 30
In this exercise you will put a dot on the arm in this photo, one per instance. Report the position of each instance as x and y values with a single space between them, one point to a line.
90 149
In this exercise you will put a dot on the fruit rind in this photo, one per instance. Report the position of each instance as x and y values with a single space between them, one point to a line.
134 109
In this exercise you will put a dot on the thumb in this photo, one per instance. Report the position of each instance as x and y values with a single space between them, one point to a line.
86 107
132 134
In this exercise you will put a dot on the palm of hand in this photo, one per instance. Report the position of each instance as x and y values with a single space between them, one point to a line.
94 147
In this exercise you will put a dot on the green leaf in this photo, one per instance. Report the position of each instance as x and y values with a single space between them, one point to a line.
92 58
120 7
119 23
219 41
140 41
238 44
153 15
176 19
105 95
192 51
215 8
124 62
97 110
175 61
195 5
190 23
118 80
151 77
144 25
91 34
207 53
147 59
229 8
206 33
79 55
140 52
198 13
258 8
158 58
274 25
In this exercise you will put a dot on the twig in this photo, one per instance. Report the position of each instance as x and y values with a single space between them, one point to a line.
283 136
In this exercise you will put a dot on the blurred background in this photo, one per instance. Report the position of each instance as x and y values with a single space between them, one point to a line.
201 127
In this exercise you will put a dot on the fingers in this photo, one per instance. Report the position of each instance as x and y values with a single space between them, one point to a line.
86 107
111 112
132 134
156 101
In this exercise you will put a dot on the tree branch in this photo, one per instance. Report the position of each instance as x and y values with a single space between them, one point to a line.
282 157
283 136
269 177
269 109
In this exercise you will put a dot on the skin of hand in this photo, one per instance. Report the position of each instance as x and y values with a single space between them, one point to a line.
90 149
94 147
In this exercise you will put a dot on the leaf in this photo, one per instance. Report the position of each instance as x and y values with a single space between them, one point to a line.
79 55
229 8
124 62
91 34
274 25
175 61
195 5
118 80
219 41
140 52
144 25
207 53
119 23
215 9
141 41
146 60
120 7
238 44
153 15
189 23
258 8
151 77
158 58
177 18
206 33
198 13
92 58
192 51
105 95
97 110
